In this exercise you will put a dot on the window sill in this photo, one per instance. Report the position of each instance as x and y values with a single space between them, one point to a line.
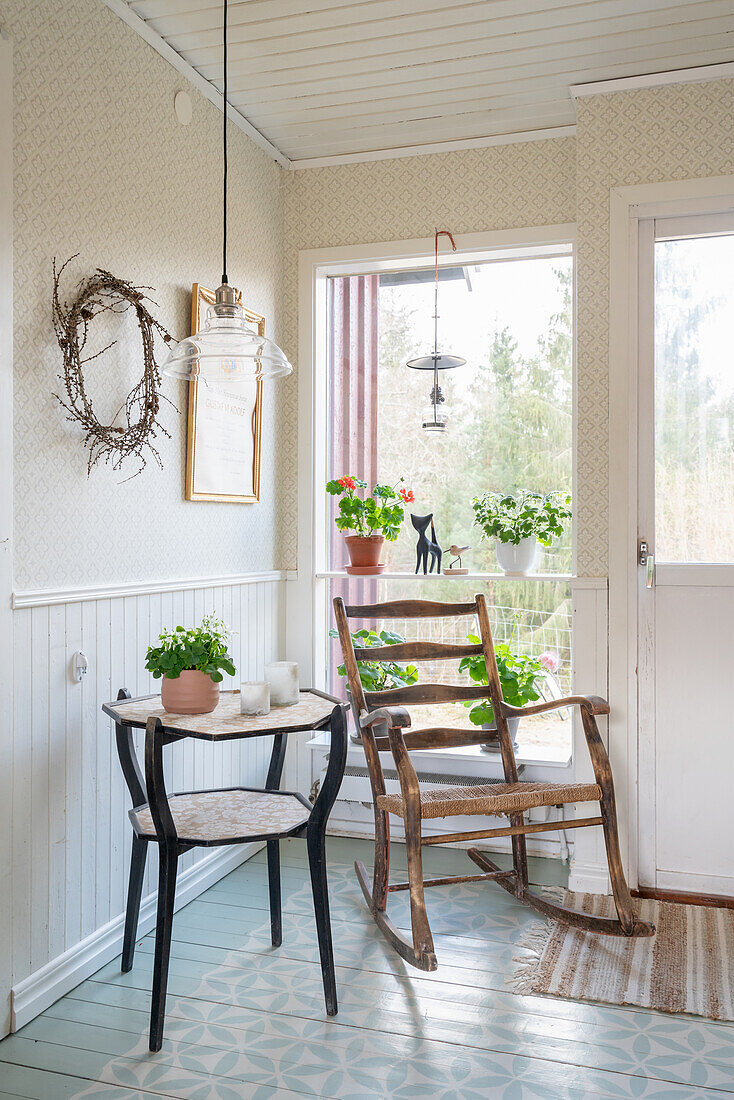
468 761
341 574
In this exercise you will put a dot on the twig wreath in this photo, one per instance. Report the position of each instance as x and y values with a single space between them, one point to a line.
105 293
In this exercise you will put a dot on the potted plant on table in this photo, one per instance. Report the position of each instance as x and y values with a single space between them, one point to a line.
519 677
377 675
373 519
518 522
191 664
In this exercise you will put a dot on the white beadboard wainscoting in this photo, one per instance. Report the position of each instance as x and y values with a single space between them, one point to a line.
70 829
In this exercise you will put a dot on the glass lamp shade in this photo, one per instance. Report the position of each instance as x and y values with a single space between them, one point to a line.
435 418
227 348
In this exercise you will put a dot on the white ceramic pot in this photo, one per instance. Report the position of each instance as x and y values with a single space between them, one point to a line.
517 560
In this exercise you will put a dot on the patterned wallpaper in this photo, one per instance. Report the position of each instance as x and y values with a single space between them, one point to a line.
103 168
501 187
681 131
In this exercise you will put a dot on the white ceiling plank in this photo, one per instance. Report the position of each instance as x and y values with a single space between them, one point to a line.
404 110
477 36
643 45
477 70
330 79
378 23
465 91
416 133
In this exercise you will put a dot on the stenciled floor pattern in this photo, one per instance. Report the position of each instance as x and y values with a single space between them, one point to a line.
245 1020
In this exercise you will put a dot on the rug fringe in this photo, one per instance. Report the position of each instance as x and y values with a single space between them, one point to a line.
533 939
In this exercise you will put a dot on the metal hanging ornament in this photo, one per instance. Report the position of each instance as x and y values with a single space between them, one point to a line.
435 416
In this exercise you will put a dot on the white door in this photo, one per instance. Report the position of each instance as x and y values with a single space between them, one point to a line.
686 555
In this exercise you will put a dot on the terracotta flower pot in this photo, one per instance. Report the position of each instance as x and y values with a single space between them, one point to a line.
364 551
192 692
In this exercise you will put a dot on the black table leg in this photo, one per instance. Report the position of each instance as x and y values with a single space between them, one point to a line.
316 846
168 853
134 893
167 867
272 783
134 781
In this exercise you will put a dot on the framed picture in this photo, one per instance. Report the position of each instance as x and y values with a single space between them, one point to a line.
224 427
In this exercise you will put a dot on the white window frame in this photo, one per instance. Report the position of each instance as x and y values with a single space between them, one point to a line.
306 639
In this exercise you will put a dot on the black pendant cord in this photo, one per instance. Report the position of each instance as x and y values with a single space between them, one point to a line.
224 152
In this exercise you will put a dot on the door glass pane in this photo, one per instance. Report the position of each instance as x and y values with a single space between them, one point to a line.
694 399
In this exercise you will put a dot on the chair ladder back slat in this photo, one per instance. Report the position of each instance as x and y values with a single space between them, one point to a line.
416 651
420 694
409 609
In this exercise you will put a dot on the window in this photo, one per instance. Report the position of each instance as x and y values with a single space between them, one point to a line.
510 427
694 399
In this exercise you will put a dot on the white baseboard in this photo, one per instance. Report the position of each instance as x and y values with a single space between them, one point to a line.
39 990
589 878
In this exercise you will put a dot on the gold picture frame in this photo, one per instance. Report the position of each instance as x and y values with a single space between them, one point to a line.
204 474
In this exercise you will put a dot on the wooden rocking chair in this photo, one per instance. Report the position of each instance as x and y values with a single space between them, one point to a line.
383 720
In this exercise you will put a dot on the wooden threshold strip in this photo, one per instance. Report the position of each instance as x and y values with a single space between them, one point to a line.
517 830
454 878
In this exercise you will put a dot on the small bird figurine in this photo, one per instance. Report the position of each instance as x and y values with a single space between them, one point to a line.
454 568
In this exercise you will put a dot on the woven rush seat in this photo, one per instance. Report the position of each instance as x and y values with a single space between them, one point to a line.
493 798
224 815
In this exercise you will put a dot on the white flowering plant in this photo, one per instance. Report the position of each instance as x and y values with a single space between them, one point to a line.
203 648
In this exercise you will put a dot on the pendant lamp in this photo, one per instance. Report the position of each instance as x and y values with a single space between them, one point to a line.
436 414
227 348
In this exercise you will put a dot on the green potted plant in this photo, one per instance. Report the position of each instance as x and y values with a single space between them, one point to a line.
518 522
372 519
191 664
519 677
377 675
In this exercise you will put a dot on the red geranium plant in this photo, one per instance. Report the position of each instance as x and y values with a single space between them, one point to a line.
379 514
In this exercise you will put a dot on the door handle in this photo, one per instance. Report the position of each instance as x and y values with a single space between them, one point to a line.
647 560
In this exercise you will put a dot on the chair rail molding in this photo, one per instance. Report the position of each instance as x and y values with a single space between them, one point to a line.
6 511
46 597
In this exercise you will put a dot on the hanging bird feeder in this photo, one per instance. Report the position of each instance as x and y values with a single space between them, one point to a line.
436 414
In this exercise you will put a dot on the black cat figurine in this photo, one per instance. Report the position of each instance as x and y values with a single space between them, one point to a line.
425 545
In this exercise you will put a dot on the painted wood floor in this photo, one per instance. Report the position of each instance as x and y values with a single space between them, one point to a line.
245 1020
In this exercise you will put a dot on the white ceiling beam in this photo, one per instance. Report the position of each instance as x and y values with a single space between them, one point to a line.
435 147
697 75
207 89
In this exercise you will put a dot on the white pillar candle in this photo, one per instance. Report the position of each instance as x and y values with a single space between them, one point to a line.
255 697
283 679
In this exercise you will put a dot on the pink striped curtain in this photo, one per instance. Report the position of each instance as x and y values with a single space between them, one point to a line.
353 359
353 353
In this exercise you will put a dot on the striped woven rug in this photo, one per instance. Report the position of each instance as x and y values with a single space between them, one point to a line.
687 966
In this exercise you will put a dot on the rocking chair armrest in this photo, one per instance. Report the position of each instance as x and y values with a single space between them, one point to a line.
393 717
592 704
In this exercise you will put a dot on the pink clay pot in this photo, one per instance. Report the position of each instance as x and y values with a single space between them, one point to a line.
192 692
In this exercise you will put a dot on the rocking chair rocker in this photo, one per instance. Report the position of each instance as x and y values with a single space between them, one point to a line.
383 720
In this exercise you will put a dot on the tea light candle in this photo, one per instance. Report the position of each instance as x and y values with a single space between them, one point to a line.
283 679
255 697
